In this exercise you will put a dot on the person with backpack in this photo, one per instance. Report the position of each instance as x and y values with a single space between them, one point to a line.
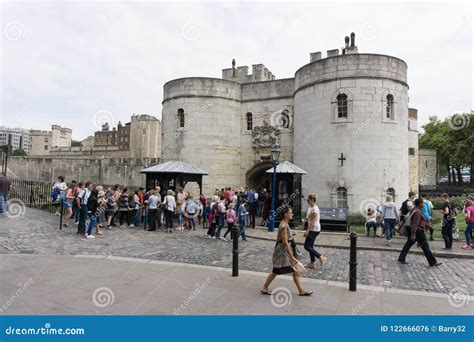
190 209
58 193
82 200
153 202
212 219
469 215
406 205
416 233
75 208
124 204
110 206
220 217
206 209
169 205
449 219
70 194
92 206
390 217
252 198
427 211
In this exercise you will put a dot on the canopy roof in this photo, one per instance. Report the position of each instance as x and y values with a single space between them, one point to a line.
174 166
287 167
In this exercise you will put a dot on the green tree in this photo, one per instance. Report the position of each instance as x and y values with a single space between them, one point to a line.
453 140
76 143
19 153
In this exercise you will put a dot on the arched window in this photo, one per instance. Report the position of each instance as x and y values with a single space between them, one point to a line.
391 192
249 121
389 107
181 118
342 106
342 197
285 119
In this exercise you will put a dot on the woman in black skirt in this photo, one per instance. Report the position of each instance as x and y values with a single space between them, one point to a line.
283 256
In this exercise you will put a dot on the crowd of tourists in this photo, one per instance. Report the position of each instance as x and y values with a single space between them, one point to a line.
93 208
414 218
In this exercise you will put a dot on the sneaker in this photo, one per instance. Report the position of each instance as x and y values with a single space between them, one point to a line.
65 225
90 236
131 226
223 238
122 226
76 223
466 247
99 233
214 237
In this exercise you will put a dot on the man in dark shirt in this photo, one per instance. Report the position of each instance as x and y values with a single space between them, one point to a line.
4 190
448 222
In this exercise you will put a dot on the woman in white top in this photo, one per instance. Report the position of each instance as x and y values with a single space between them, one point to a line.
169 205
312 231
180 207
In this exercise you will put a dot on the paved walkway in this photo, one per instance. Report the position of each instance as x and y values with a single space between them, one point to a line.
36 232
341 240
99 285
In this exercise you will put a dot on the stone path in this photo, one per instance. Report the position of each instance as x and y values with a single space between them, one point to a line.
99 285
36 232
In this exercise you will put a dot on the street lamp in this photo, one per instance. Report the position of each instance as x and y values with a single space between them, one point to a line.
275 157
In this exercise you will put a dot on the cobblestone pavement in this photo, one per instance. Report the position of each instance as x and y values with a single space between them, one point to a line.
37 232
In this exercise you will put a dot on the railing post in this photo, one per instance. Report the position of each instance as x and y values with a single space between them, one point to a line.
353 263
61 209
235 250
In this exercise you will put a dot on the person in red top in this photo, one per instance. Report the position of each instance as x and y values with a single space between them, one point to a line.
416 233
470 224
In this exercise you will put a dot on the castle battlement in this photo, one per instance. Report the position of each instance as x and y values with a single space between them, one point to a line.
241 74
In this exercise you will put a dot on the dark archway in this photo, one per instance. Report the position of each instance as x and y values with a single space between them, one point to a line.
257 177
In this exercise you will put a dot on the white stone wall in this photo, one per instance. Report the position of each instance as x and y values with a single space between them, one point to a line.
211 137
376 149
427 167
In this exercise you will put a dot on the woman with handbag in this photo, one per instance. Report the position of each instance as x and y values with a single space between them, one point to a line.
285 256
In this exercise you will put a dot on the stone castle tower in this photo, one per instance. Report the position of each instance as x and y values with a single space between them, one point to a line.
343 119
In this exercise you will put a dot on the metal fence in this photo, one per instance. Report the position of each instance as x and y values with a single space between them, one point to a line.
32 193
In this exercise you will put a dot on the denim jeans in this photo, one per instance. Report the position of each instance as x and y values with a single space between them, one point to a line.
421 239
169 218
369 225
389 225
242 229
220 224
92 222
309 246
81 228
192 225
468 233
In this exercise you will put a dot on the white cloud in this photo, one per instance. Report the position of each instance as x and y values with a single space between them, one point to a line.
74 59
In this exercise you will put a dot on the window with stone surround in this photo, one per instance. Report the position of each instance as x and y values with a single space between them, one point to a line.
249 121
342 106
389 107
342 197
181 118
391 192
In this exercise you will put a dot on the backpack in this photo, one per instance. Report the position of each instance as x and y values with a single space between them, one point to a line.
55 193
404 209
426 210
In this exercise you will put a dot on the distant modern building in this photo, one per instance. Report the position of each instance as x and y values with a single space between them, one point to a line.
41 142
18 138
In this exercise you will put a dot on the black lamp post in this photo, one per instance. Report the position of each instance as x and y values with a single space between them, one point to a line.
275 157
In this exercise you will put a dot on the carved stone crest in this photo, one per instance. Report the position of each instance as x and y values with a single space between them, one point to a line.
265 136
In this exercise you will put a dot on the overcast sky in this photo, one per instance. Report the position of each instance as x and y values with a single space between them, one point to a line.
75 64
